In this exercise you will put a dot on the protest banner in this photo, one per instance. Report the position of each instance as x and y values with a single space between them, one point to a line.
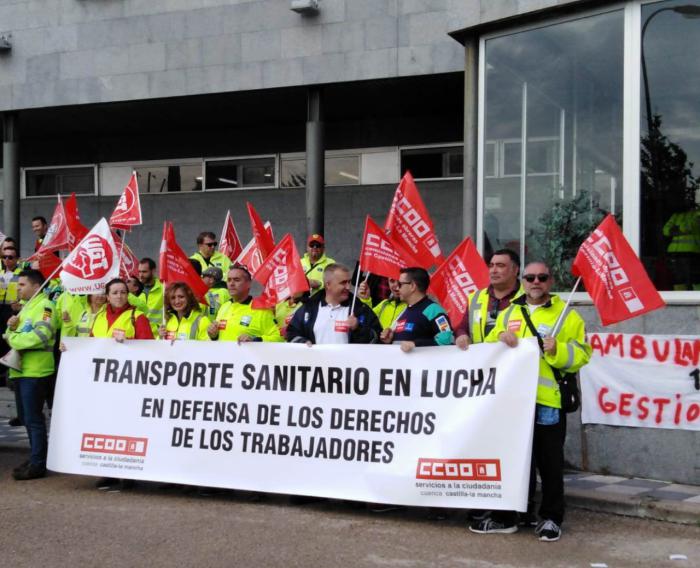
648 381
439 427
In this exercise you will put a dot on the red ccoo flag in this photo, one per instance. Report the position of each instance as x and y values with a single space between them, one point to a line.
379 253
614 275
462 273
282 273
262 237
76 230
229 243
176 267
127 212
250 256
411 227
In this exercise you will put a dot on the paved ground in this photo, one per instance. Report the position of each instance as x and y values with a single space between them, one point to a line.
64 521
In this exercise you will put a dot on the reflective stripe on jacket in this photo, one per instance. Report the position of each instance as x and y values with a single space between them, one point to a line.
154 305
193 327
237 318
122 328
572 350
34 338
478 311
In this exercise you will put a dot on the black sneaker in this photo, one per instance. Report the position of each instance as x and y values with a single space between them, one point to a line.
491 526
14 422
21 466
548 531
32 471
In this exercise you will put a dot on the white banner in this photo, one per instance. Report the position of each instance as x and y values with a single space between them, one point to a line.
436 427
649 381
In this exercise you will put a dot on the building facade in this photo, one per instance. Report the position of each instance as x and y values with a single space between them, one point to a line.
524 123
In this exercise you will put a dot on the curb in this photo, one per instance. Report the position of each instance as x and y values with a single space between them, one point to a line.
634 506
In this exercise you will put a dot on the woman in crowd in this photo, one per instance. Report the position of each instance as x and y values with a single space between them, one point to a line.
80 324
119 319
185 320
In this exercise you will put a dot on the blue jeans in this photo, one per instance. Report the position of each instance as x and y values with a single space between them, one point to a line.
32 396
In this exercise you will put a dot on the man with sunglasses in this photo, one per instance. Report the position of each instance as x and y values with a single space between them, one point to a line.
536 313
315 261
207 255
423 322
486 304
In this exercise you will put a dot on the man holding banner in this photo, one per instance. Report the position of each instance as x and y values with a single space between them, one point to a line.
237 319
327 317
423 322
540 314
487 303
32 333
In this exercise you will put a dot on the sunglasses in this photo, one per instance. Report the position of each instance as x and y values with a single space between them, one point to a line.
403 283
315 245
210 244
9 257
539 277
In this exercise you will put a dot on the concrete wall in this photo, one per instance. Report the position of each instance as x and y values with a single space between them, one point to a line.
89 51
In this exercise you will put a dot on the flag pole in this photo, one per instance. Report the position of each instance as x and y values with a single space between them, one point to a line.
357 283
563 312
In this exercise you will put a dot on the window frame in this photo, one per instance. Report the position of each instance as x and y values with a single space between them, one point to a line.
346 153
631 127
275 176
23 179
427 147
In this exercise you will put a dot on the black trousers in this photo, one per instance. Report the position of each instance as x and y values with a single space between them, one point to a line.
548 460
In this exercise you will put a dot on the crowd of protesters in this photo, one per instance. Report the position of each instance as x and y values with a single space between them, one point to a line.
386 310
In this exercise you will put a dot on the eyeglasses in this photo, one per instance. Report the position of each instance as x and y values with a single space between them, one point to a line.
403 283
9 257
315 245
210 244
540 277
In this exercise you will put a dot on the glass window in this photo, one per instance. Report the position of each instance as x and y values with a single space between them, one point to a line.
670 144
240 173
167 178
339 170
427 163
552 147
52 181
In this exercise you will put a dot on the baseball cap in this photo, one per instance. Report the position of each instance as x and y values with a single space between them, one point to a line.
213 271
315 238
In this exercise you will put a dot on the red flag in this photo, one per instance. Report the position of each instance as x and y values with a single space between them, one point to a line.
282 273
379 254
92 263
411 227
462 273
127 212
57 235
129 262
250 256
614 276
176 267
263 237
47 263
76 230
229 243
